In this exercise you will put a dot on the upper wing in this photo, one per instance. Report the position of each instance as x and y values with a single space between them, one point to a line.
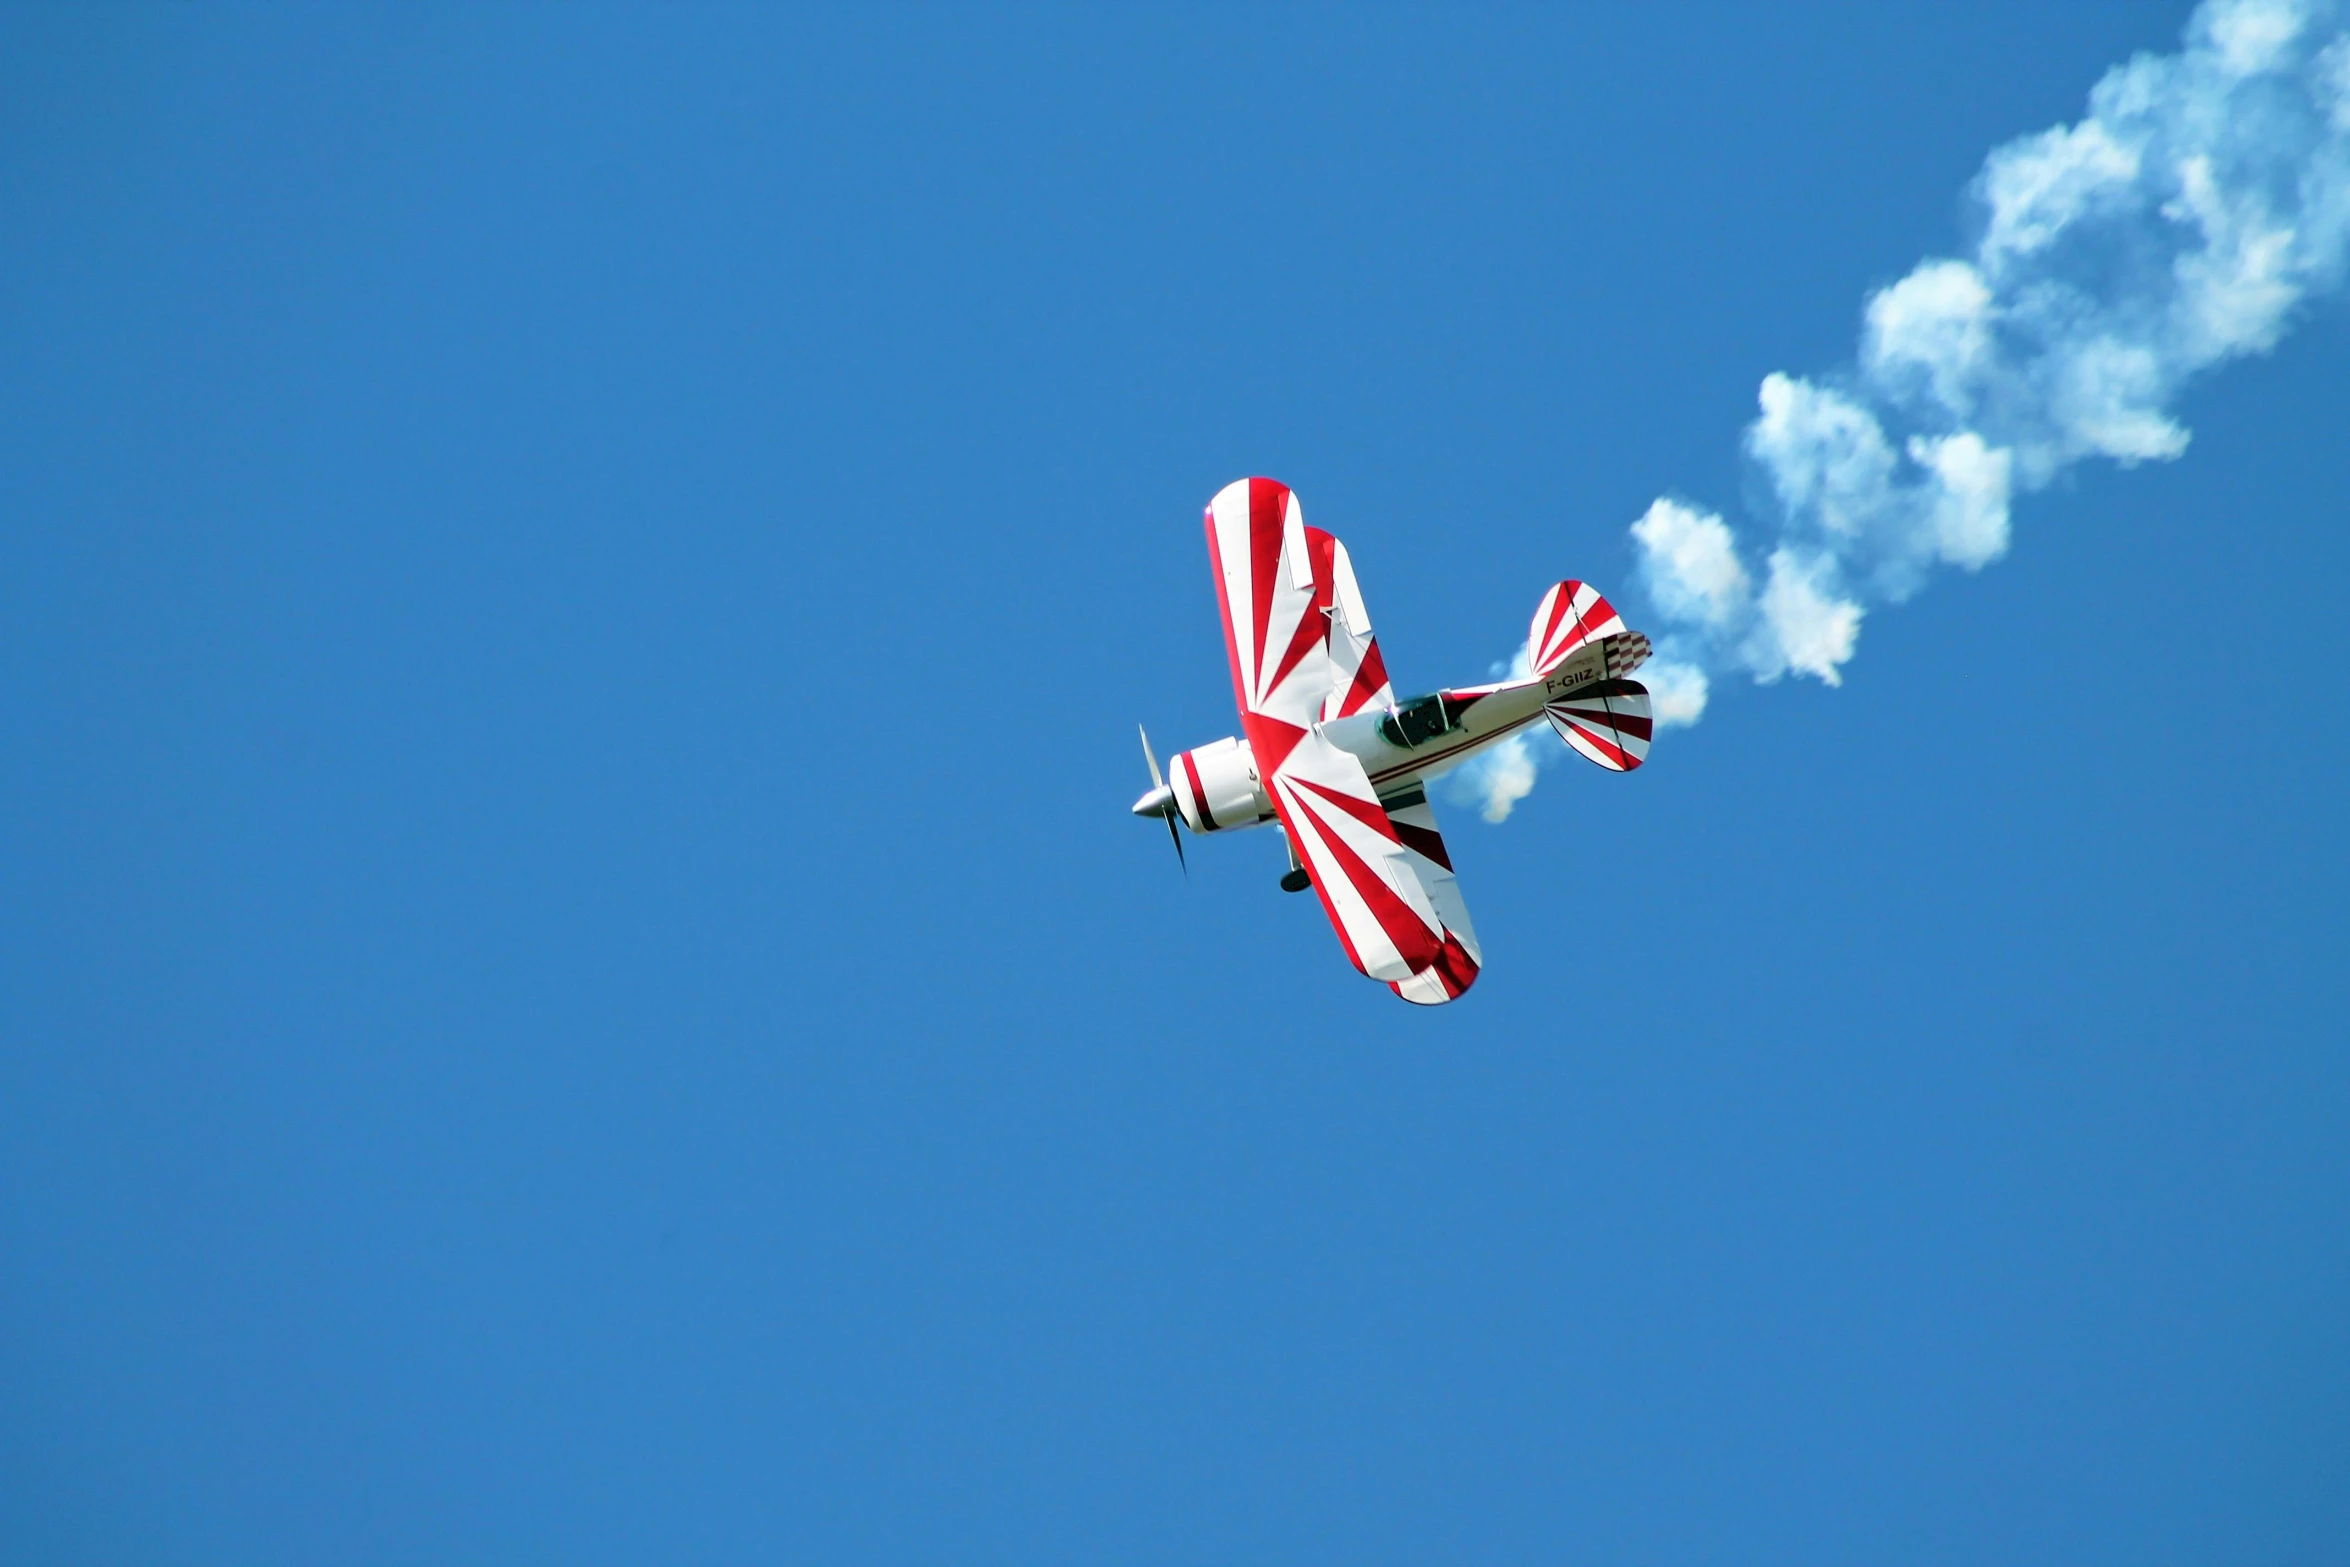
1358 675
1295 626
1275 631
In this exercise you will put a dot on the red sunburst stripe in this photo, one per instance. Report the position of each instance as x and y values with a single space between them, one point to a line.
1266 498
1609 747
1313 629
1598 614
1560 608
1369 812
1367 682
1269 740
1557 643
1405 931
1454 969
1423 841
1455 966
1629 723
1318 551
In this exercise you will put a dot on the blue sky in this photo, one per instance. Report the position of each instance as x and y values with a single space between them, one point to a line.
577 983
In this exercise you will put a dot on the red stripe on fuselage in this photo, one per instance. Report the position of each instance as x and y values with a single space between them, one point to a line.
1422 763
1199 795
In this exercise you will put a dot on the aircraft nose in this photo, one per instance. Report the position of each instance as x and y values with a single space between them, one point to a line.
1158 802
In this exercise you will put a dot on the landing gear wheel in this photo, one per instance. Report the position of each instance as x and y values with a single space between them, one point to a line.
1296 881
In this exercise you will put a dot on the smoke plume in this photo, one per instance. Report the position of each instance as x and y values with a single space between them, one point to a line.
2183 222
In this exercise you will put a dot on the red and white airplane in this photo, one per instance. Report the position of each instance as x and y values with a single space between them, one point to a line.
1327 751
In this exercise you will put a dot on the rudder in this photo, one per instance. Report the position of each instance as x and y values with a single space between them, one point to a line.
1573 616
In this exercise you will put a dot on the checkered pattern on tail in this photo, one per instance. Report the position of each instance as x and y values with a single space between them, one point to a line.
1626 653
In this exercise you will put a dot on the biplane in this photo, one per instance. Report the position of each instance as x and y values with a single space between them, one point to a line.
1329 756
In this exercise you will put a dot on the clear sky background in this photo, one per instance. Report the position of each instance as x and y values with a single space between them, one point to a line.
575 588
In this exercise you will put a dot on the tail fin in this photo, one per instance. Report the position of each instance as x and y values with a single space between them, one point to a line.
1570 616
1578 637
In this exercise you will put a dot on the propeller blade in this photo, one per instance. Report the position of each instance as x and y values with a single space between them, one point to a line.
1159 787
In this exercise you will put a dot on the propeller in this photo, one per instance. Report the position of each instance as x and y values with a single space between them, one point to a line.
1160 801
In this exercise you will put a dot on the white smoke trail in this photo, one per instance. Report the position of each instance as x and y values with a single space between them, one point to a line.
2204 198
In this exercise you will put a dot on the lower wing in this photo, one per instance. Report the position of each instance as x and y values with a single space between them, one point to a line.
1382 873
1425 856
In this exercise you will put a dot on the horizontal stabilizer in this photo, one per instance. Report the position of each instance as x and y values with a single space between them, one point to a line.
1607 722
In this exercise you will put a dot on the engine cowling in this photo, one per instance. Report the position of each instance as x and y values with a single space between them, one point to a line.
1216 787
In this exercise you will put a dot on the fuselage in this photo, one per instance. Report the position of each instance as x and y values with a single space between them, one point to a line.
1426 736
1216 787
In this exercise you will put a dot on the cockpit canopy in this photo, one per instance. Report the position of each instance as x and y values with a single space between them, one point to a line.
1421 720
